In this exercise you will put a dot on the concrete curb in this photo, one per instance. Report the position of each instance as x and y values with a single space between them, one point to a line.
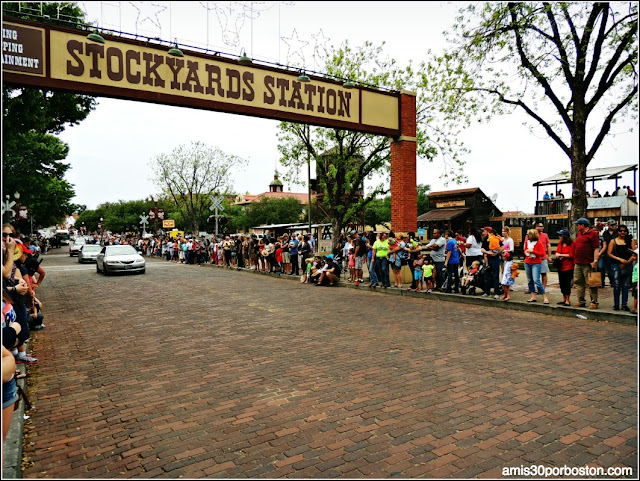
538 308
12 447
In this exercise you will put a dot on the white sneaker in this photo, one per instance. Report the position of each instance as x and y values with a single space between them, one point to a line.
496 296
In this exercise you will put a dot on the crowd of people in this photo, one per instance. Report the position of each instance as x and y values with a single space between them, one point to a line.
22 313
482 260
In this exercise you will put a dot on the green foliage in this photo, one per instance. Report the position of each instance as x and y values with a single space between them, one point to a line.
271 211
378 211
566 65
124 216
190 174
33 156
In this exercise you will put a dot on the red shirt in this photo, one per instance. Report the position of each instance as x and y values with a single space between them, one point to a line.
537 250
279 255
567 262
586 244
544 240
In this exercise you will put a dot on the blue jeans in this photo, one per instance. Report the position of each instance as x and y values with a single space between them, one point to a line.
371 265
621 280
452 272
605 266
533 278
492 276
439 266
383 265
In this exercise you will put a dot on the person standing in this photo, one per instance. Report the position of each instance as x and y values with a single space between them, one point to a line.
452 263
380 251
586 259
534 252
546 245
360 253
414 250
293 254
620 252
605 263
371 260
437 251
492 250
474 247
565 251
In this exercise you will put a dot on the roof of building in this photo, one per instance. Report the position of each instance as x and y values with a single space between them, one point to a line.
592 175
302 197
442 214
452 192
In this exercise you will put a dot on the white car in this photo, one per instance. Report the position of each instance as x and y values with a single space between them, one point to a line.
89 253
77 245
121 258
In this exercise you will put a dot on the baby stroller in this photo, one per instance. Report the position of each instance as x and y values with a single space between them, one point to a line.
445 277
476 281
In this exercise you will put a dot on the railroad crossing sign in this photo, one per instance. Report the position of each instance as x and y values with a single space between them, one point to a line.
144 220
8 207
216 203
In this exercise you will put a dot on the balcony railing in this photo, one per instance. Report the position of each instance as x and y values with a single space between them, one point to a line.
552 207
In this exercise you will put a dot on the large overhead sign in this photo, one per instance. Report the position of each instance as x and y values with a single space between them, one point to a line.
53 57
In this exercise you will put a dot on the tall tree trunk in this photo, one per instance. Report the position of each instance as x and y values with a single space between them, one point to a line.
336 226
579 163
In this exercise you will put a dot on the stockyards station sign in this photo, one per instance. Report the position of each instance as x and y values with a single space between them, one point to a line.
53 57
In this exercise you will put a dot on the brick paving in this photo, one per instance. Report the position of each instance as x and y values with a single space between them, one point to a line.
202 372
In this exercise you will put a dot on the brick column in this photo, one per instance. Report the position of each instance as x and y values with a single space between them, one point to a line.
404 194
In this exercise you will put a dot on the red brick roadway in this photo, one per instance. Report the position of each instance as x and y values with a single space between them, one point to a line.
202 372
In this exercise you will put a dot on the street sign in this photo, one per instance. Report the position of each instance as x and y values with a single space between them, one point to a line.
168 224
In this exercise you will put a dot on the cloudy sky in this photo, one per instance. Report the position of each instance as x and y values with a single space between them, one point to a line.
111 149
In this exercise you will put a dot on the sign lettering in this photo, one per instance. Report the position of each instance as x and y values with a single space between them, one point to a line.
22 49
141 70
451 203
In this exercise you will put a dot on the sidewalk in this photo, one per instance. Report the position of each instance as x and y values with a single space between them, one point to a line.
12 447
518 300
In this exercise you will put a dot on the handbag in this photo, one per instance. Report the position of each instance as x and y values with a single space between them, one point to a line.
557 263
594 279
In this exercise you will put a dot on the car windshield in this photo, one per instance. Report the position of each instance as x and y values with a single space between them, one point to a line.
120 251
91 248
79 241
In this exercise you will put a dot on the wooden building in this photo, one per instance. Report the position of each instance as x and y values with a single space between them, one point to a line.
459 210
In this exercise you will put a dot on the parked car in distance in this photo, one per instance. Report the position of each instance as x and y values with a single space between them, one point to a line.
89 253
77 244
122 258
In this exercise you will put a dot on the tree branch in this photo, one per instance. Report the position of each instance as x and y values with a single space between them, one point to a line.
606 126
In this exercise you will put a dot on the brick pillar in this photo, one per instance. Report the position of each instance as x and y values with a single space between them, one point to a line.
404 194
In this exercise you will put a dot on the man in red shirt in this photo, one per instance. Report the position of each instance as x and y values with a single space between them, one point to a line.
586 259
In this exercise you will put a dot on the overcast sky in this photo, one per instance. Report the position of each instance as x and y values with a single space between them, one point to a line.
111 149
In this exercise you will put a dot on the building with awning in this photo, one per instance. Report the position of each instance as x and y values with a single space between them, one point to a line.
458 210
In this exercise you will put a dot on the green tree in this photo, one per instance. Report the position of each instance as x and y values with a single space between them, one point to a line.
378 211
570 66
190 174
344 159
32 161
286 210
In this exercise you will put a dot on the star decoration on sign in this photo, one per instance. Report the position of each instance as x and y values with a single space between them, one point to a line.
295 46
320 47
151 16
